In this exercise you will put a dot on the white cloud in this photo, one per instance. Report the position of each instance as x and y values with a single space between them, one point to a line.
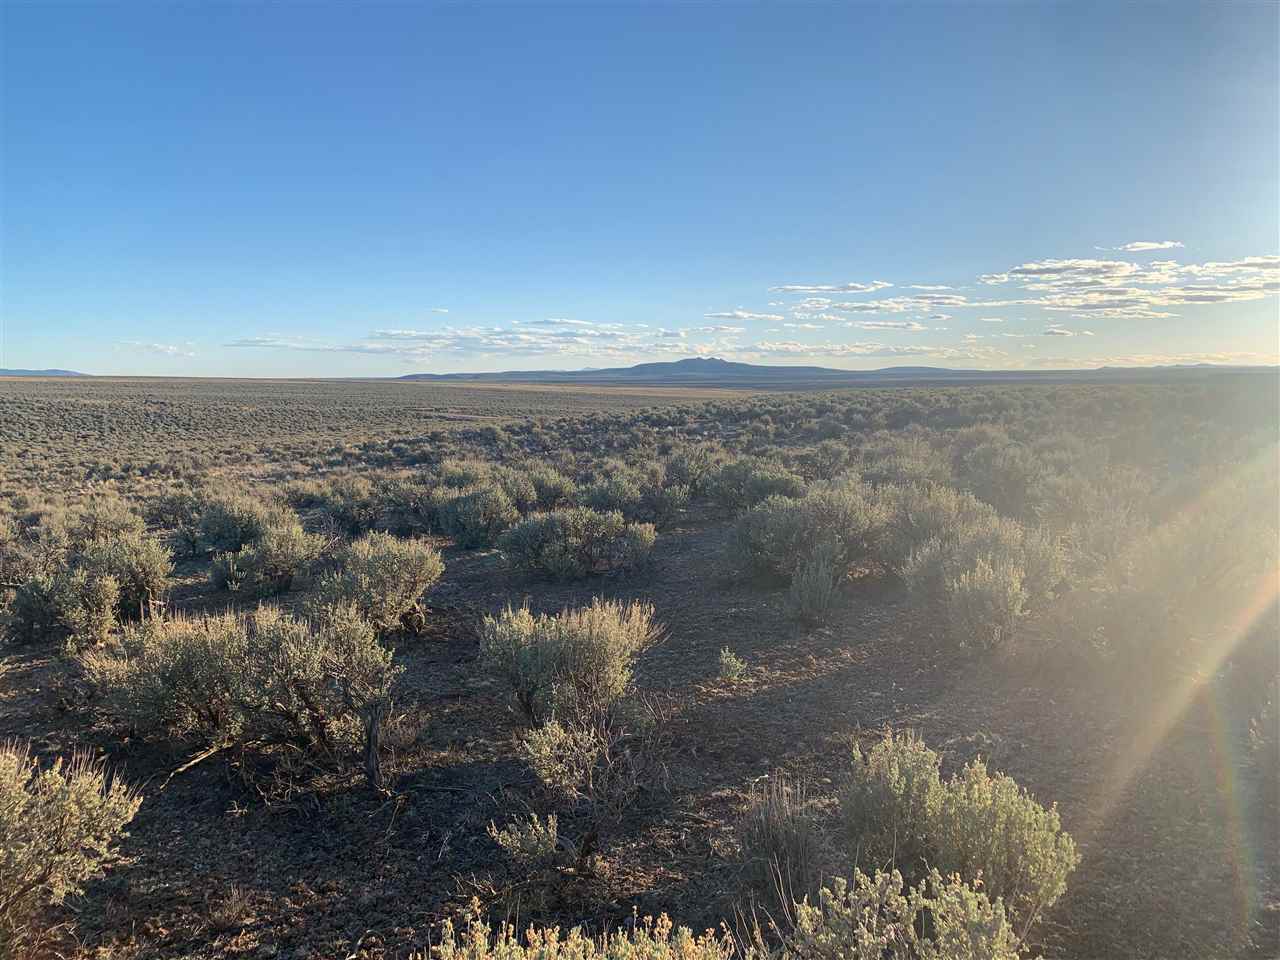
439 309
1141 246
991 319
912 326
160 349
871 287
741 314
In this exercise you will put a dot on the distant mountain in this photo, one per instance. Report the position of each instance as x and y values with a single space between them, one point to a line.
7 372
712 371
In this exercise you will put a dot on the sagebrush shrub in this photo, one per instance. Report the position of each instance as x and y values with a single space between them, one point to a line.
597 766
983 605
105 518
691 466
384 578
476 516
352 502
574 665
59 827
897 810
769 538
532 841
577 542
86 605
265 680
227 522
616 492
741 484
647 939
283 552
890 802
921 513
140 565
816 582
880 918
552 488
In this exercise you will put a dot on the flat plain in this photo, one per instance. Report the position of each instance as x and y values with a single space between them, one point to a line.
1130 685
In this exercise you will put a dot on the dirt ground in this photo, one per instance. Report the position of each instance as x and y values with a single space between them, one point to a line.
212 870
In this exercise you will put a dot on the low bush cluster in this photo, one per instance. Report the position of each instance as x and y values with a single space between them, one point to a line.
77 576
384 578
59 827
319 686
575 543
741 484
897 810
575 665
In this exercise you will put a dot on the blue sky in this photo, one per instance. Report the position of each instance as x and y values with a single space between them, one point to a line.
366 190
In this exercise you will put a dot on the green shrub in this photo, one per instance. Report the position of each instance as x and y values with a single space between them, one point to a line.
229 522
741 484
897 810
575 664
269 564
767 539
816 582
319 686
384 578
477 516
59 827
140 565
732 667
645 940
877 918
983 605
574 543
86 605
532 842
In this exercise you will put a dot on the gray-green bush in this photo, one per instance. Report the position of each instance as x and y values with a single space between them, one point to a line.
384 578
321 685
575 665
60 826
574 543
897 810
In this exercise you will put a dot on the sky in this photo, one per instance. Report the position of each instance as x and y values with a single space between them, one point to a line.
374 190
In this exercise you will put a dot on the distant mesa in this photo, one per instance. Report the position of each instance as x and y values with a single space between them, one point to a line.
713 371
18 372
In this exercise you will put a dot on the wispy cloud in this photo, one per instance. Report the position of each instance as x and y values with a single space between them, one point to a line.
740 314
160 349
1142 246
870 287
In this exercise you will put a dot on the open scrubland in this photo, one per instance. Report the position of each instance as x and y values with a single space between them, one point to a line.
368 669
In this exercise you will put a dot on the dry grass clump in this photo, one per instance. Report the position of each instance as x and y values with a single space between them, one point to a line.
784 846
59 827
